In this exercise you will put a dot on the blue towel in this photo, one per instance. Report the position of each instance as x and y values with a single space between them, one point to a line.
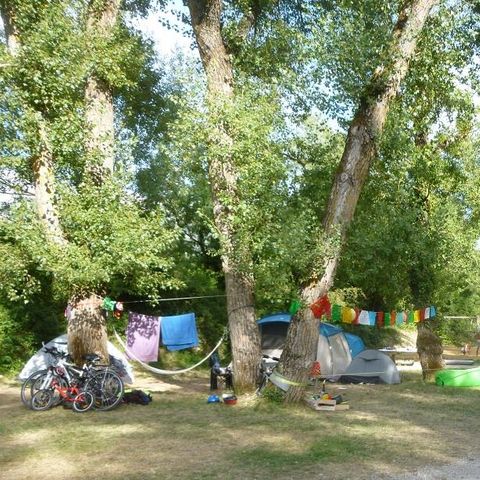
179 331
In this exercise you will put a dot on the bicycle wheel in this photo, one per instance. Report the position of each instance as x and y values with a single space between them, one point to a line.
43 380
107 388
28 387
42 400
83 402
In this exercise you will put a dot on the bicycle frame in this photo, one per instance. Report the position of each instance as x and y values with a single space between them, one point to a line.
69 372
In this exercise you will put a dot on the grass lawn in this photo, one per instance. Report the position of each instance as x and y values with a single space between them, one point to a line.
389 429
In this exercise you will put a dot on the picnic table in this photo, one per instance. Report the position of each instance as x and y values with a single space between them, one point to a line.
393 352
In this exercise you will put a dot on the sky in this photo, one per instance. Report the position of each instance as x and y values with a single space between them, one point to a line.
167 41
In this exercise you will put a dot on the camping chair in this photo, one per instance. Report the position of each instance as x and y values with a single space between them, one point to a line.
267 369
216 371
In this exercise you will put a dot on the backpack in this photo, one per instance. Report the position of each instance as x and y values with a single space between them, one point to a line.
138 397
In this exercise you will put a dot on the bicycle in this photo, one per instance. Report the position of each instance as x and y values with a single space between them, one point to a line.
82 400
90 386
61 382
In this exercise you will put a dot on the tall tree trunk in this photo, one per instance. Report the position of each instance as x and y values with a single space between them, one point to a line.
87 329
102 17
44 180
430 350
42 156
244 334
366 127
11 33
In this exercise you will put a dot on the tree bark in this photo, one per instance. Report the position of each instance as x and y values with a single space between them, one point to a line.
99 113
87 329
44 181
360 146
11 33
430 351
42 156
245 339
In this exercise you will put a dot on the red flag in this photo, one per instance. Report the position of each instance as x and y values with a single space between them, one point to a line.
380 319
321 306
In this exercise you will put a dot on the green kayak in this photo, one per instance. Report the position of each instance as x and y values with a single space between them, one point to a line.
459 378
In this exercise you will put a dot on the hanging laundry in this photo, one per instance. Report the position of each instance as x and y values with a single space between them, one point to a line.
143 336
179 331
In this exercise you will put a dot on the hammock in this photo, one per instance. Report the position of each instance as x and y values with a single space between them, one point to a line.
158 370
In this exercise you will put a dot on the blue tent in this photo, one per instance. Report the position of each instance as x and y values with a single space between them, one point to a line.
355 343
268 328
277 317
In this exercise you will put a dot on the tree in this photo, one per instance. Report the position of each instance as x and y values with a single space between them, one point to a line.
207 27
101 22
41 150
110 243
364 132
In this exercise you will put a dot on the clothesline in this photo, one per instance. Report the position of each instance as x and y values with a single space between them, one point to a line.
173 299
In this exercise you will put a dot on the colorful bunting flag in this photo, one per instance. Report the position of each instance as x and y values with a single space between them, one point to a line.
321 307
363 318
348 315
338 313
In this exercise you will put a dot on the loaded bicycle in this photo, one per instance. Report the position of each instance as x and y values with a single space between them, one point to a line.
91 386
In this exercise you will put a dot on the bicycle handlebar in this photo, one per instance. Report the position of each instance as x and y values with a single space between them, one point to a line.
55 352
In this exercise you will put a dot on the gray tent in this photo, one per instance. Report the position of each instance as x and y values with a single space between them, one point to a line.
335 348
371 366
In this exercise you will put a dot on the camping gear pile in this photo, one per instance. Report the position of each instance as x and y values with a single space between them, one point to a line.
82 388
41 360
327 403
227 398
137 397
